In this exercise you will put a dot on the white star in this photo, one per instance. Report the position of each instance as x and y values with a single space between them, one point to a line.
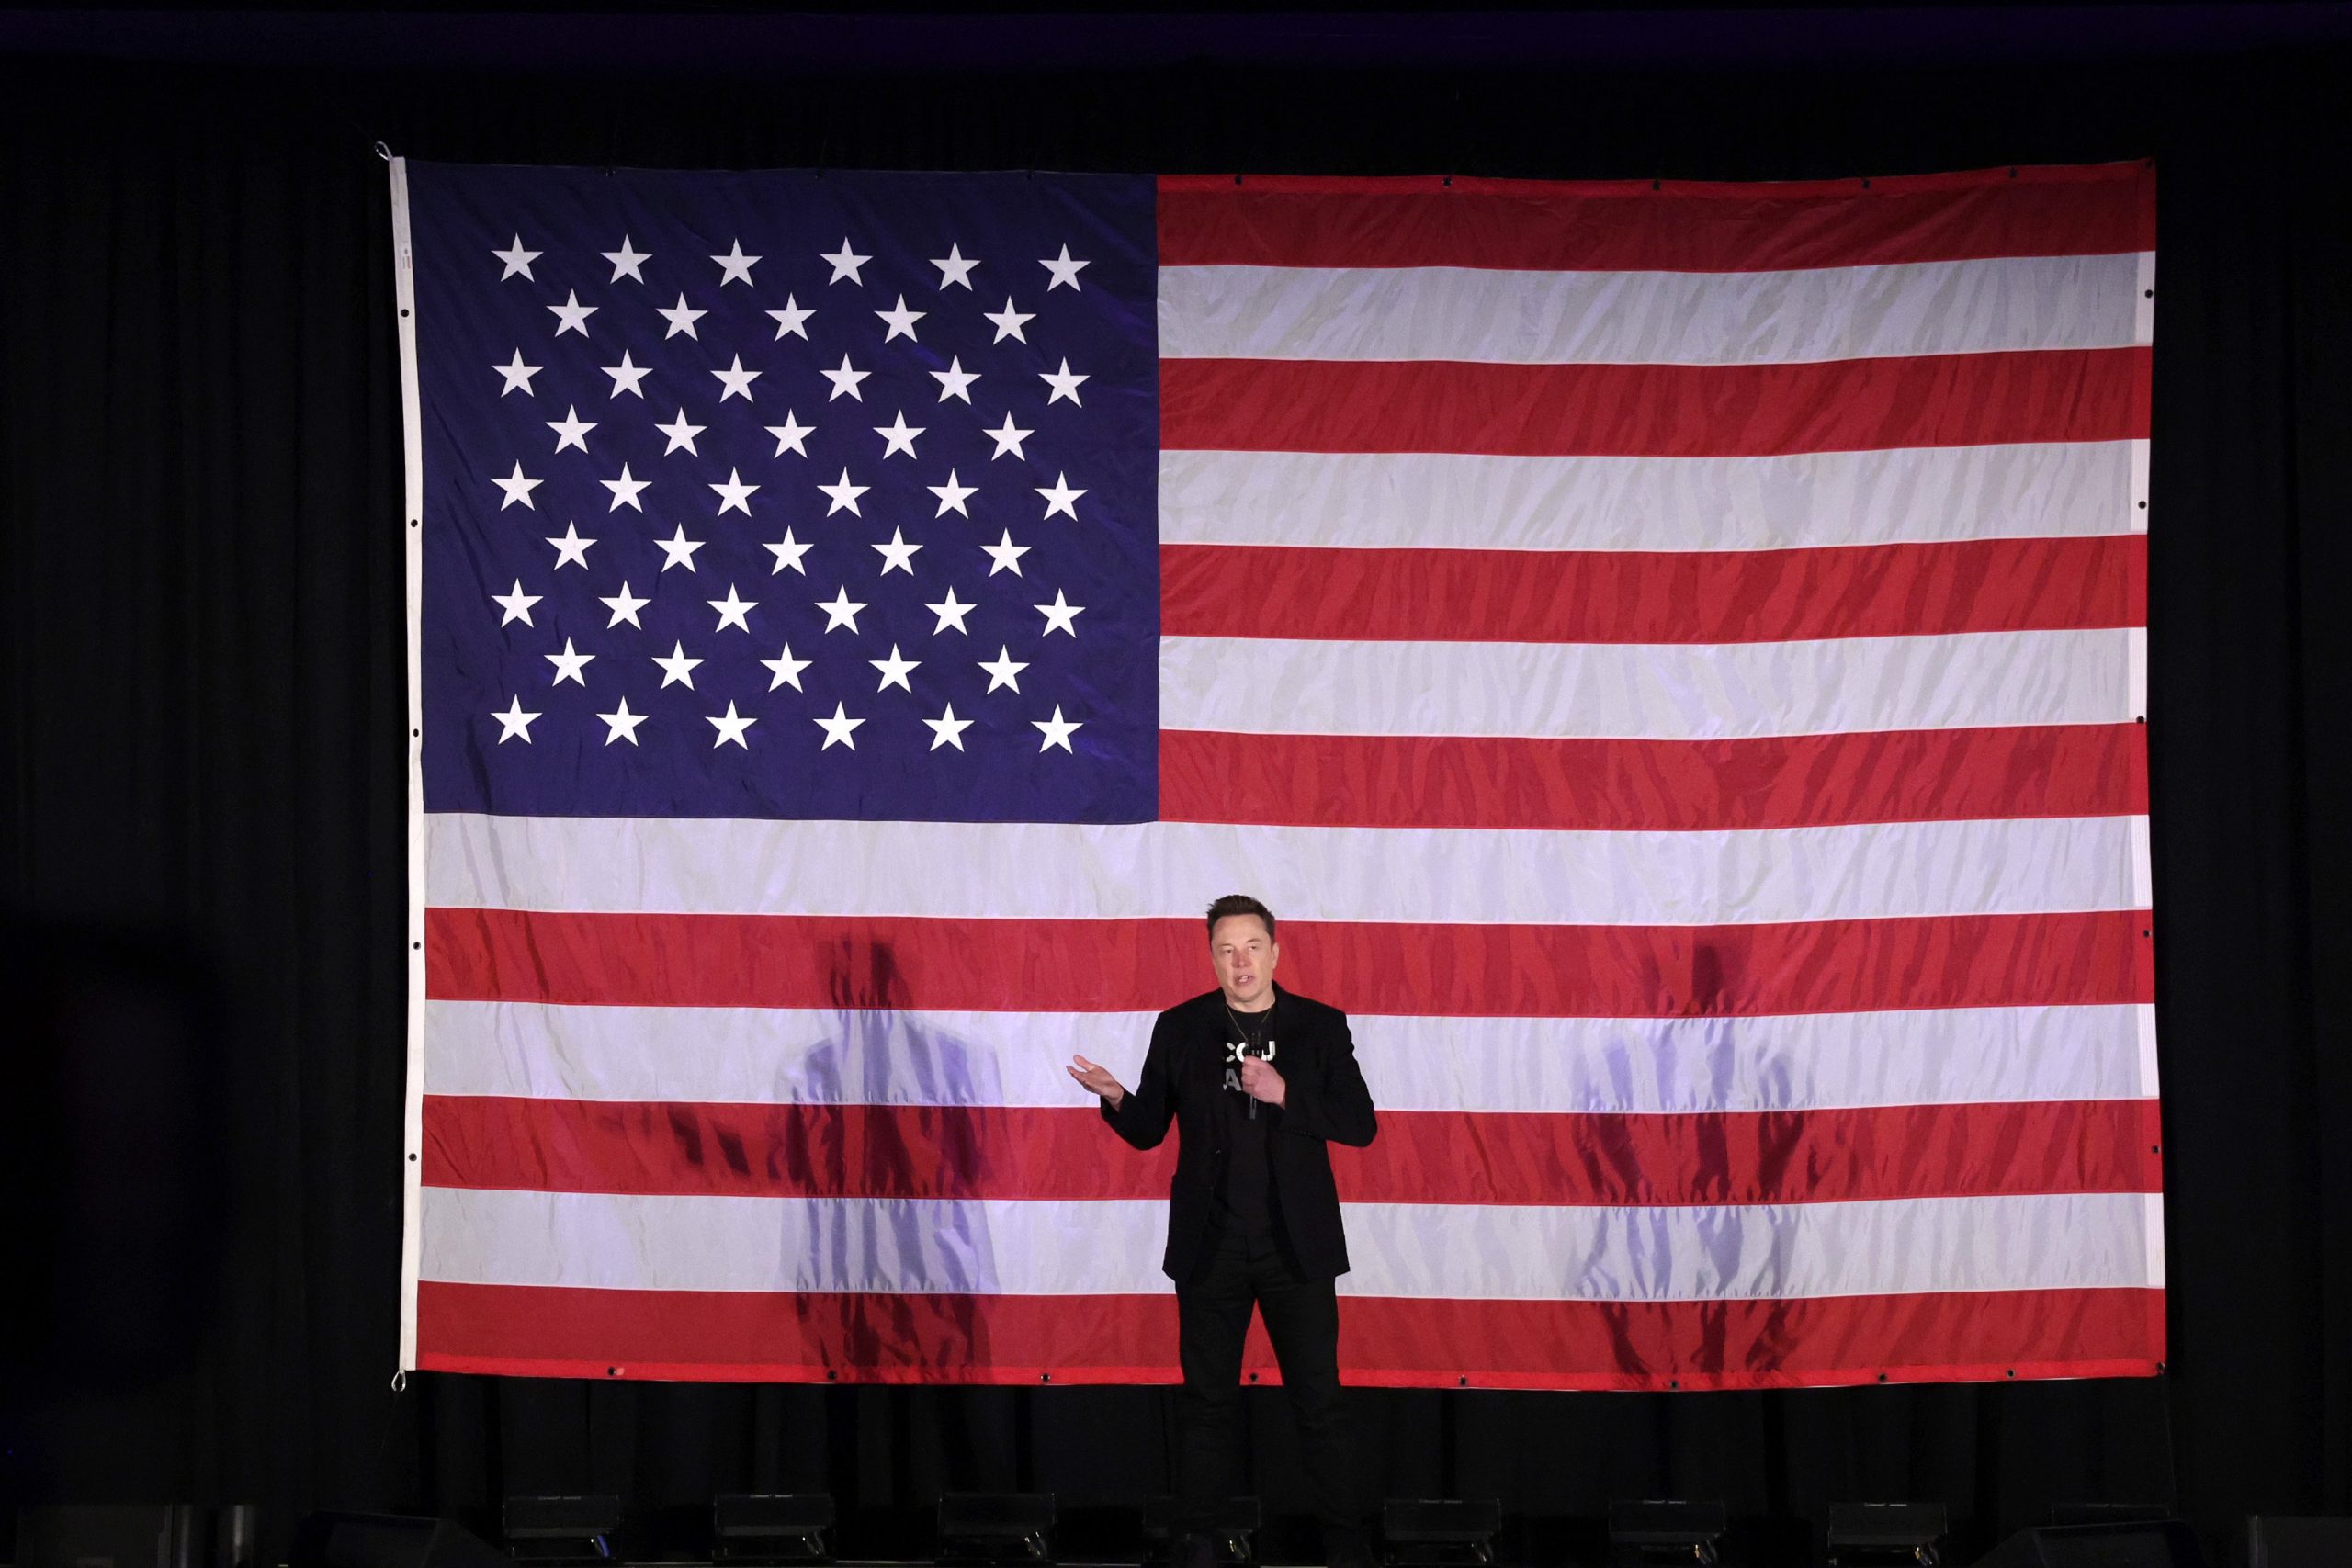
678 550
1064 270
1008 438
844 494
732 727
625 490
902 321
571 548
736 267
737 381
895 671
898 435
845 263
732 609
517 488
788 552
1061 498
621 724
624 607
626 261
517 259
571 316
735 495
677 669
516 604
1006 555
898 555
846 380
947 729
840 612
787 669
682 318
951 611
792 318
568 665
681 434
1003 669
571 430
1060 615
1064 384
951 495
956 381
1057 731
953 268
1008 321
627 375
837 729
518 374
790 435
515 721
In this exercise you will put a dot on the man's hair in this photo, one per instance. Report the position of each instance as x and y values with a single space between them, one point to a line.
1240 904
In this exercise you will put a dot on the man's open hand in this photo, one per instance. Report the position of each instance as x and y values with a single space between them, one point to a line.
1097 1079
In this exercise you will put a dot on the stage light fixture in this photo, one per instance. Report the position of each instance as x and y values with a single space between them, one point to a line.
1439 1532
1865 1535
996 1527
2272 1541
1232 1530
1661 1530
561 1529
772 1528
2119 1543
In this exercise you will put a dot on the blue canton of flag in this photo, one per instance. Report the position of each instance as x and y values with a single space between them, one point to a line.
788 494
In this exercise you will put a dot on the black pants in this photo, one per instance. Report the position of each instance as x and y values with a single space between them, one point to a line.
1302 1321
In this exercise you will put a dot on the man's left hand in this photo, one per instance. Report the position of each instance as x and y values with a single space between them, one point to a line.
1260 1081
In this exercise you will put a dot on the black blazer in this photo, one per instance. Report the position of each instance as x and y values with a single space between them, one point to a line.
1183 1076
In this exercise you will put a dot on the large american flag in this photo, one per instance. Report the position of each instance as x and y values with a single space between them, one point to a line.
1672 655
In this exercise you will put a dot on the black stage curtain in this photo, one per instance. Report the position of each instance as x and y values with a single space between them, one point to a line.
199 465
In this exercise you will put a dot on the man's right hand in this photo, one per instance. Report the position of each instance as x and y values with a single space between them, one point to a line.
1097 1080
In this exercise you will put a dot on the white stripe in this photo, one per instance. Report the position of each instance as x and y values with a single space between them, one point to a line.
2136 672
1648 691
1433 876
854 1056
1490 315
1032 1247
2143 298
2137 502
412 512
1448 501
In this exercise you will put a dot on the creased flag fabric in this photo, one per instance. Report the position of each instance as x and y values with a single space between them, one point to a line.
1673 656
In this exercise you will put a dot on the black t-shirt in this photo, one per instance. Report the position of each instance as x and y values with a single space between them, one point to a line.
1245 1198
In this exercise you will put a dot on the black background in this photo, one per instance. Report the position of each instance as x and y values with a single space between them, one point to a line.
202 701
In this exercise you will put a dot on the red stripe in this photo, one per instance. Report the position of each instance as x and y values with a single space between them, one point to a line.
1065 1154
664 960
1654 596
1801 781
749 1336
1653 411
1637 225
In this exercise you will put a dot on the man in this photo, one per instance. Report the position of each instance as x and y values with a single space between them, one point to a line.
1262 1081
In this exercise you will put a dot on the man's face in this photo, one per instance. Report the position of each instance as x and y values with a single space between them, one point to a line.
1244 957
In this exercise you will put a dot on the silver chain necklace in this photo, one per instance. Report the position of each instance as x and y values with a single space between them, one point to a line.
1241 1029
